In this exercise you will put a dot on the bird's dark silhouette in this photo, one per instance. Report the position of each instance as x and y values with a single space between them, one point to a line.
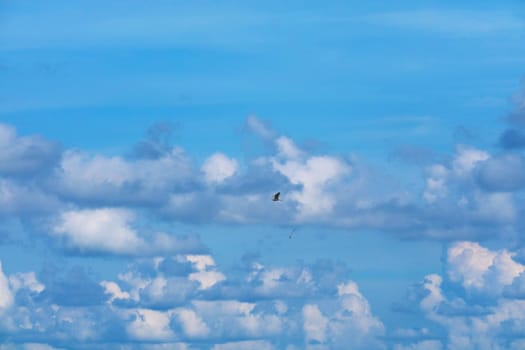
276 197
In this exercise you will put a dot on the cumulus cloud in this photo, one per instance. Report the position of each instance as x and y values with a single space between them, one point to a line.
315 324
421 345
477 302
145 306
111 231
469 194
150 325
314 174
218 167
466 159
107 230
115 180
28 346
476 267
15 290
245 345
206 274
352 325
176 294
25 155
19 199
193 325
6 296
505 173
436 183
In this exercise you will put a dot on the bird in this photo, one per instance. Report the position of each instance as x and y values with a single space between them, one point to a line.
276 197
291 233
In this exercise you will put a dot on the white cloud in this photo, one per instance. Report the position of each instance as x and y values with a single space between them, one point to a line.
245 345
114 179
472 306
315 324
503 173
6 295
28 346
207 279
25 155
37 346
218 167
495 207
354 323
432 284
107 230
476 267
163 346
421 345
350 324
17 198
261 129
206 275
313 174
232 318
143 304
26 280
192 324
436 187
111 231
150 325
113 289
466 159
201 262
287 148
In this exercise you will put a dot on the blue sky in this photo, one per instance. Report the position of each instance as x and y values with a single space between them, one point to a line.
141 143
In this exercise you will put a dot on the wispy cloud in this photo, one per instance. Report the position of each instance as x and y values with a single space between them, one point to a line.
450 22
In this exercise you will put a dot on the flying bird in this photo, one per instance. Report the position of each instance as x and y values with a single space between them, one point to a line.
291 233
276 197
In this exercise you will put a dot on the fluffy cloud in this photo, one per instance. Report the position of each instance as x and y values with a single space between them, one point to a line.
479 268
25 200
505 173
150 325
466 159
218 167
315 324
106 230
14 292
245 345
477 303
313 175
146 306
110 231
206 274
27 155
472 194
116 180
193 325
6 296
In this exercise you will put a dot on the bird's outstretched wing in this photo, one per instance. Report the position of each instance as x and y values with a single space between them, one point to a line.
276 196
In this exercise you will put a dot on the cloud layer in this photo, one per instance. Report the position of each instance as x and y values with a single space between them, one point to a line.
471 193
173 294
